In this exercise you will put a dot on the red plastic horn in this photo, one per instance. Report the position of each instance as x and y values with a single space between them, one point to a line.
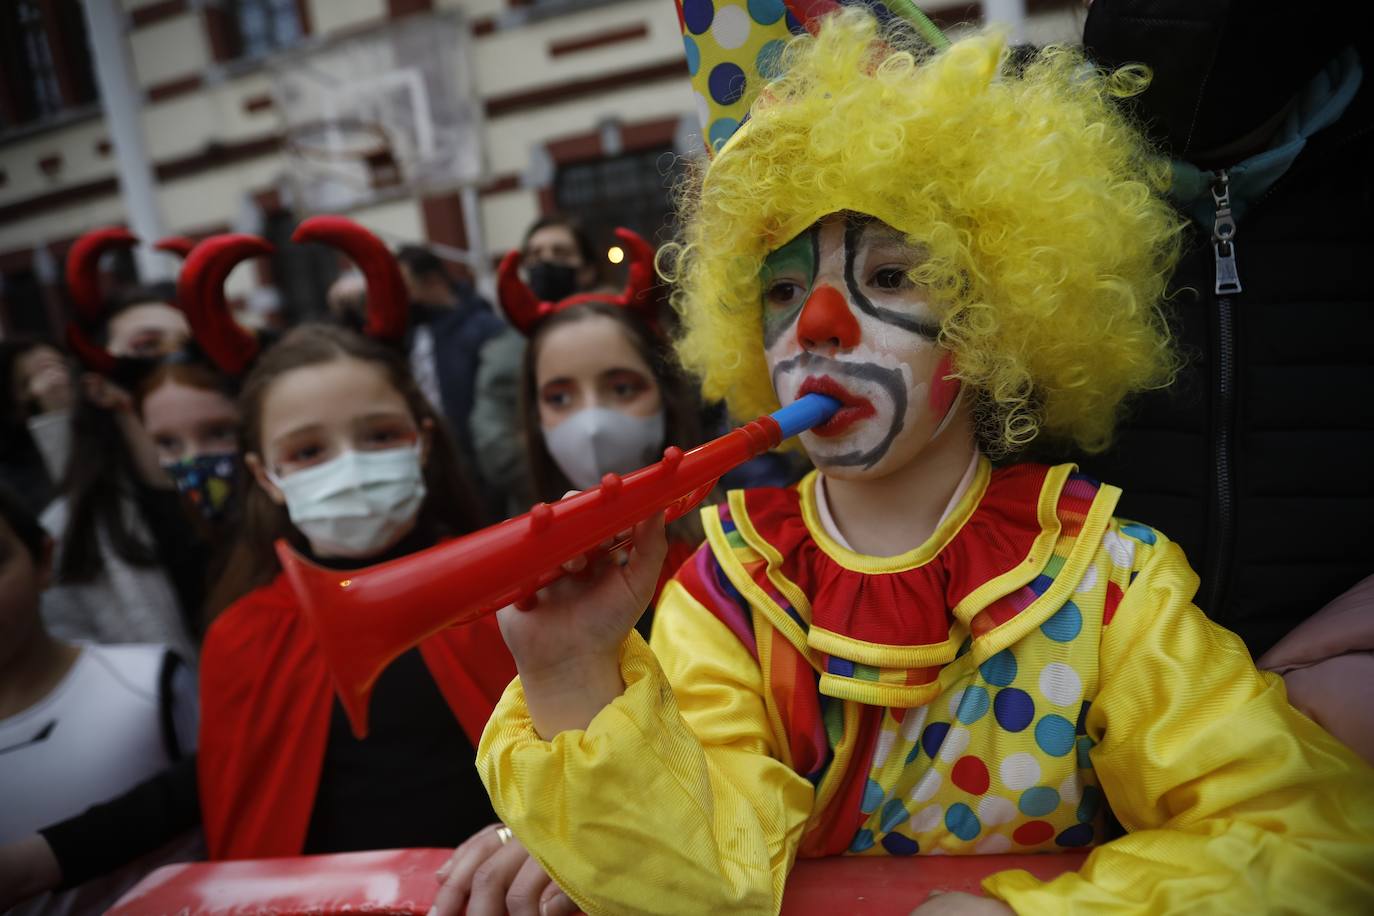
201 292
364 619
178 245
388 300
526 311
83 283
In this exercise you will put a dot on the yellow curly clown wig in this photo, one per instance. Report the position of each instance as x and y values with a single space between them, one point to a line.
1039 206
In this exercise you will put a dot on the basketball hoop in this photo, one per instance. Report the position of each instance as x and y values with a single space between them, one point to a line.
369 114
340 145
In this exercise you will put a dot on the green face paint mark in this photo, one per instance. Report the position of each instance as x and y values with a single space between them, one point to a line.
786 279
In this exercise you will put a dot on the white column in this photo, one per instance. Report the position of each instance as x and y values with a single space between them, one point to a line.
1008 12
479 259
123 103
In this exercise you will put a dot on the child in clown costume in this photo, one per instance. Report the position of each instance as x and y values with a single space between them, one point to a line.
913 651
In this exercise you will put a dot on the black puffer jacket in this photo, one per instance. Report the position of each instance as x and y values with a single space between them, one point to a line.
1260 461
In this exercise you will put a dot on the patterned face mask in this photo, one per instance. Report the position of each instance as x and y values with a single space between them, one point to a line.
206 481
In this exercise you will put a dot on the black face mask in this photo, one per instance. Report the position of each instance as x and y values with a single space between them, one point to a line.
1222 68
552 282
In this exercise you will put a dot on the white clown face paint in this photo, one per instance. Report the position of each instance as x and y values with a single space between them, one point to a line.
842 317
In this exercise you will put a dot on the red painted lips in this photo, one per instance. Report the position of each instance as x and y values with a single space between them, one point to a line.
854 408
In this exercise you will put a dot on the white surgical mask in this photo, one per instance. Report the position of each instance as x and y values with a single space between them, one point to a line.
597 441
354 505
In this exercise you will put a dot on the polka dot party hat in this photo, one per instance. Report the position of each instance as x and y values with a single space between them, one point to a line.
734 48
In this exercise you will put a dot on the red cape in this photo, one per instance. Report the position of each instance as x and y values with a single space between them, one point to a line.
265 706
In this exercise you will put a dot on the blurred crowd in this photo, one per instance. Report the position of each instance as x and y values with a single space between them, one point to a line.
143 495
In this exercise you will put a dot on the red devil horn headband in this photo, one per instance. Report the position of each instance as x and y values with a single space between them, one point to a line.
521 305
83 267
178 245
526 311
201 291
641 270
83 283
388 301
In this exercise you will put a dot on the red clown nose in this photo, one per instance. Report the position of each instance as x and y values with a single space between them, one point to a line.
826 318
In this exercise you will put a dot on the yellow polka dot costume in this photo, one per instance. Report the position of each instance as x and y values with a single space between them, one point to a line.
1033 678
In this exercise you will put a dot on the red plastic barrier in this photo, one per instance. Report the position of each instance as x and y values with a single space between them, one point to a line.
387 881
883 885
401 881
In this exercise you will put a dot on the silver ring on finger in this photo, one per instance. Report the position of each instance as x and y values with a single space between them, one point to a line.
504 834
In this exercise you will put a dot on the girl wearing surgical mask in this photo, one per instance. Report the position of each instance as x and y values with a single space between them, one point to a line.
344 452
601 395
128 566
351 466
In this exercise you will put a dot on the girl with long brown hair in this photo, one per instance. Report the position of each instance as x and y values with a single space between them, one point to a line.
600 390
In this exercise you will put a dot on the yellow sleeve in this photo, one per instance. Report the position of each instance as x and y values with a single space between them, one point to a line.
1233 801
673 798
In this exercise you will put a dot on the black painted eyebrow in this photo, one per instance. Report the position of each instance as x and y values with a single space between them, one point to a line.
927 329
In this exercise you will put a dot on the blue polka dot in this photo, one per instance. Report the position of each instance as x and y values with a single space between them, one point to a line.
1037 801
1077 835
962 822
698 14
914 753
894 812
1089 803
1000 670
973 705
862 840
1085 744
795 27
1014 709
1054 734
693 54
873 797
933 737
1066 623
722 129
769 59
899 845
1139 532
726 83
766 12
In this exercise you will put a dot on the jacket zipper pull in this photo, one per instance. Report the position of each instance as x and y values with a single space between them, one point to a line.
1223 236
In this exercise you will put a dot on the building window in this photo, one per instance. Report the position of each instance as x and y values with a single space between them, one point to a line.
45 65
264 26
633 190
47 93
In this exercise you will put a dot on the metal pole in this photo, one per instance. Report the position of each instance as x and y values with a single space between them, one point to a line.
1007 12
122 101
478 259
